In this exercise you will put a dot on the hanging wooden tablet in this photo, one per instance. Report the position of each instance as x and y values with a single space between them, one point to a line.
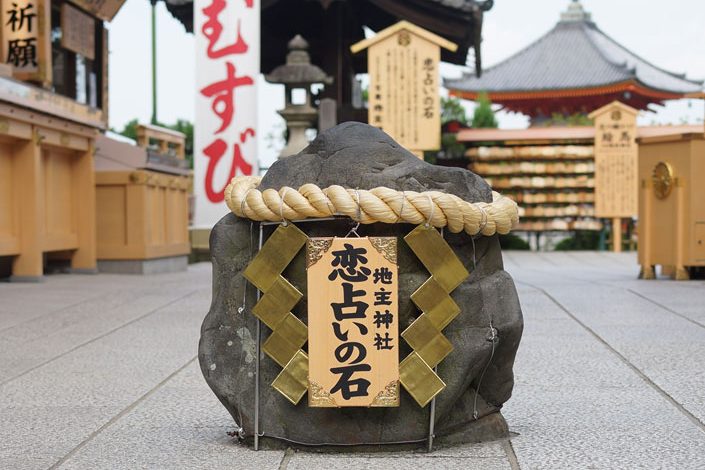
353 322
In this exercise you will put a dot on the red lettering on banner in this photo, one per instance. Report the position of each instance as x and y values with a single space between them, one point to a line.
212 29
223 94
224 91
215 151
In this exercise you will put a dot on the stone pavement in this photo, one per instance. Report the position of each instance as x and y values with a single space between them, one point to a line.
101 372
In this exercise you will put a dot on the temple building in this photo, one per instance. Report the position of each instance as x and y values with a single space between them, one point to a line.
574 68
71 198
331 26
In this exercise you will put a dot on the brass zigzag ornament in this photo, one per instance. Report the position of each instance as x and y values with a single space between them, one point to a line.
425 335
289 334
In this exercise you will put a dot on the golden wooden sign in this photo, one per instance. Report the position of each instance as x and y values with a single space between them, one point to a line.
616 153
404 99
77 31
353 329
26 26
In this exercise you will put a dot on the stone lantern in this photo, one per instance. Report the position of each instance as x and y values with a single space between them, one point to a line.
297 76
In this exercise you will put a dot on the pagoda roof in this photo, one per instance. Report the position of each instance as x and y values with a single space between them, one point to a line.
574 55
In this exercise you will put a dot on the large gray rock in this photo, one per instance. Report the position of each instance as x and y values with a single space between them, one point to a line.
356 155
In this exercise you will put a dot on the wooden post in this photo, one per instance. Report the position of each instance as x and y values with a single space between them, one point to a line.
327 114
617 235
84 258
645 255
28 265
681 272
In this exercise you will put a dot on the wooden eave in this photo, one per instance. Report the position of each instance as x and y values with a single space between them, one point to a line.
630 85
403 25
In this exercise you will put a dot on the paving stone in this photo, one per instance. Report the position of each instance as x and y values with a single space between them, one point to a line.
576 404
668 349
301 461
33 342
182 425
52 409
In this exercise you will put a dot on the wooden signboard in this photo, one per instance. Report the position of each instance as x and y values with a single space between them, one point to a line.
77 31
404 99
353 328
103 9
616 153
25 39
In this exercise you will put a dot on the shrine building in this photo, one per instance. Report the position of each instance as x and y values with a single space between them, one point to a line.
71 198
331 27
574 68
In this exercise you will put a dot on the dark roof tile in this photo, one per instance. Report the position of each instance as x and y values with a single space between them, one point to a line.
574 54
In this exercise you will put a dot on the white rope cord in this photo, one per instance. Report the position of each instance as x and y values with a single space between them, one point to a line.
368 206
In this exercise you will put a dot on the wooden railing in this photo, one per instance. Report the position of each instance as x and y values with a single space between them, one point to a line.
162 140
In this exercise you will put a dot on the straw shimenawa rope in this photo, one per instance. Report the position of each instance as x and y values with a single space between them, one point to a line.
368 206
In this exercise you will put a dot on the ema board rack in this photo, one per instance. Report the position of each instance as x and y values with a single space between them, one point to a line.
553 184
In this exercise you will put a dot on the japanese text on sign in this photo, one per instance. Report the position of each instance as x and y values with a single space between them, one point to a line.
24 36
404 98
353 324
227 50
616 154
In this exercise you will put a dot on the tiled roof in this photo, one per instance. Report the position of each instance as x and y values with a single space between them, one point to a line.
574 54
465 5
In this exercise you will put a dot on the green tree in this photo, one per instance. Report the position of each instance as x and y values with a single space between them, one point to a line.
130 129
484 116
581 240
561 120
453 110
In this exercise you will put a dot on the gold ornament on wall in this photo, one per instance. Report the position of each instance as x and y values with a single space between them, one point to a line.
662 178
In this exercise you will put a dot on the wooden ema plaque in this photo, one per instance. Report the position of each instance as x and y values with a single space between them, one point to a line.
78 31
404 99
616 154
353 329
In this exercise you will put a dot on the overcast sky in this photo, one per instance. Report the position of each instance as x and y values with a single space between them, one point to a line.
666 33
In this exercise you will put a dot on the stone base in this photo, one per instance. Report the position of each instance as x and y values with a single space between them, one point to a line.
488 428
84 270
170 264
26 278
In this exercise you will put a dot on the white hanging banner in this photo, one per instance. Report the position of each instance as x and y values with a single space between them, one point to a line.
225 134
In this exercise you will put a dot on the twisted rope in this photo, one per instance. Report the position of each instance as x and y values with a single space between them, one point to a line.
368 206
